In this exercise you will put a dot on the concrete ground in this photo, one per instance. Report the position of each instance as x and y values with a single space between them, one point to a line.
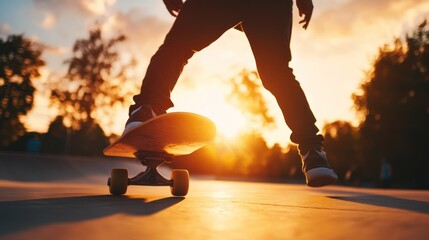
75 209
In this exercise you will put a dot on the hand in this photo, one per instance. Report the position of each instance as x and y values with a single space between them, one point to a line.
173 6
305 8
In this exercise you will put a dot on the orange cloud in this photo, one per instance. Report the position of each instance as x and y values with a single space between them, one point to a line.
48 21
97 7
145 33
83 7
4 29
357 16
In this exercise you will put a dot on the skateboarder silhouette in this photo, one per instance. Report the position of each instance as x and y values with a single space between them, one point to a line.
267 25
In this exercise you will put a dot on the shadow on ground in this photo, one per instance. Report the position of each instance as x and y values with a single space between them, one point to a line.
25 167
25 214
385 201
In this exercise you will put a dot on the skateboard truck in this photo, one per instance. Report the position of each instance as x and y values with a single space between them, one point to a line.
179 183
151 176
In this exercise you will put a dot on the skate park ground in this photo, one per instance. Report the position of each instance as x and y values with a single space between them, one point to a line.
53 197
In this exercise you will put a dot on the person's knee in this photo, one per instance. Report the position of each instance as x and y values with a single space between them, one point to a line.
278 81
173 53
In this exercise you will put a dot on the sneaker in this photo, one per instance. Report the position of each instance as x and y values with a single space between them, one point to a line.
316 168
139 116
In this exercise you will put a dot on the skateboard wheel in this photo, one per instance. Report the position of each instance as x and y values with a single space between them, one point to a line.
180 178
118 181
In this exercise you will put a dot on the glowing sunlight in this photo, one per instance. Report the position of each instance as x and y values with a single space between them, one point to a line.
229 121
210 101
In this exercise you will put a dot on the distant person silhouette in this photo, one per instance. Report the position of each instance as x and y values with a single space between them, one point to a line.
385 173
267 25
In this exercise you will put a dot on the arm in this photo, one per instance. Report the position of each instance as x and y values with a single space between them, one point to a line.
305 8
173 6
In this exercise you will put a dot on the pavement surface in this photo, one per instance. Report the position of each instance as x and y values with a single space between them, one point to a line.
73 208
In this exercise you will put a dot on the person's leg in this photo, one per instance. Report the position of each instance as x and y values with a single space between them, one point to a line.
267 25
199 23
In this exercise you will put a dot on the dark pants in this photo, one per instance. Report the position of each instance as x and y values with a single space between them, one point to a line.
267 25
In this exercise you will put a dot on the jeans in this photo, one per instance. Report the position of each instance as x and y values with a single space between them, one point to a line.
267 25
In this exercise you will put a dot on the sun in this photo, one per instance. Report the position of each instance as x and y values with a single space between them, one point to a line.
229 121
211 102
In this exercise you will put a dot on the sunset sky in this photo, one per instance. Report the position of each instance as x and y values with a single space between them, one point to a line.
329 58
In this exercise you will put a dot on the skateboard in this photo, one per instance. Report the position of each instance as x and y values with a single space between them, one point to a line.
156 142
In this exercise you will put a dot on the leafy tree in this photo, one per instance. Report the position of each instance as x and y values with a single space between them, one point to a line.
394 105
293 166
89 140
57 137
94 80
20 61
247 96
276 164
341 142
253 153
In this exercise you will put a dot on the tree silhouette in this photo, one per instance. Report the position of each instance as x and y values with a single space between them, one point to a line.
276 166
341 144
55 140
252 154
89 140
20 61
94 80
247 96
293 166
394 105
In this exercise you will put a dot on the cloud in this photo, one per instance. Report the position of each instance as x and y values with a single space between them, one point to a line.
358 26
358 16
49 21
144 32
97 7
4 29
55 50
82 7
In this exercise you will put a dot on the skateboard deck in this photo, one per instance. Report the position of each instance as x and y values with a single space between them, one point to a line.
178 133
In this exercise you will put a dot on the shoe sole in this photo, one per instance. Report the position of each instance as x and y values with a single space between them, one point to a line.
319 177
